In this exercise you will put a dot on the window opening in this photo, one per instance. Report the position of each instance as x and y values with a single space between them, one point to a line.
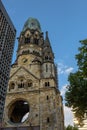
27 40
47 97
46 67
48 120
47 84
21 84
30 83
36 41
12 85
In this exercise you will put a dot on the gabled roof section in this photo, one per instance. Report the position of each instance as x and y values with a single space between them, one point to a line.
25 70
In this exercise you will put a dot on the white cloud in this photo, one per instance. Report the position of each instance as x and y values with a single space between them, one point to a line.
68 70
68 115
63 90
63 69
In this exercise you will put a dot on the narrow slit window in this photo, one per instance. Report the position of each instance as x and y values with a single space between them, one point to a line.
48 120
47 97
46 68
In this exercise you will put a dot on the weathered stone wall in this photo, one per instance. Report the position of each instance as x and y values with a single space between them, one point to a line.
32 90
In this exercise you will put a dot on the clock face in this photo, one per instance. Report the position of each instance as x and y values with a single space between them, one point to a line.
24 60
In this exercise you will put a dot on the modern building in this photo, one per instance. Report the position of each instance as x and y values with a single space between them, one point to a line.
7 37
33 100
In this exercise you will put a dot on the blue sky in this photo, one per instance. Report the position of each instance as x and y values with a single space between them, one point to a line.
66 22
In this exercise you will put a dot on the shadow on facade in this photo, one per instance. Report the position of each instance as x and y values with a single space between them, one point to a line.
21 128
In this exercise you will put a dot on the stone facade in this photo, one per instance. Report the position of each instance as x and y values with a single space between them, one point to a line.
33 98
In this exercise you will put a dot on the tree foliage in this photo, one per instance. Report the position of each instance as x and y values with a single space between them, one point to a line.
76 94
69 127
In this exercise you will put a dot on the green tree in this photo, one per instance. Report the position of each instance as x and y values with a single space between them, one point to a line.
76 94
69 127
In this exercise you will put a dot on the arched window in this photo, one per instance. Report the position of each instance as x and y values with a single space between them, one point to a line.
11 86
47 84
21 84
29 83
46 57
27 40
36 41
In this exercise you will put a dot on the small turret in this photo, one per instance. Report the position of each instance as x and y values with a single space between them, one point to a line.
48 59
47 50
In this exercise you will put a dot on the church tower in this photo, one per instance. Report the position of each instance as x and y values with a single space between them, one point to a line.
33 99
